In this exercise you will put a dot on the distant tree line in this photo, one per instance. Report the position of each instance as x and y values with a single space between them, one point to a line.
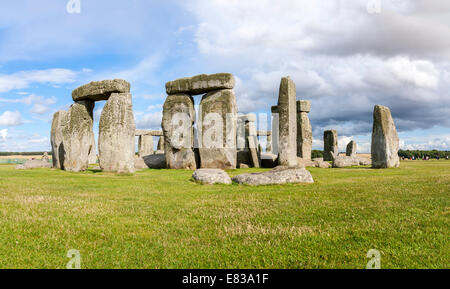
433 154
23 153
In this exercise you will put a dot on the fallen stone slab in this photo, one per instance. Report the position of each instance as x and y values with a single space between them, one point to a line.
156 161
322 164
34 164
201 84
277 176
211 176
303 163
100 90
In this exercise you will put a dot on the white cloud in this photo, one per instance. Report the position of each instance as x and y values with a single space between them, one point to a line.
39 109
3 133
150 121
9 118
23 79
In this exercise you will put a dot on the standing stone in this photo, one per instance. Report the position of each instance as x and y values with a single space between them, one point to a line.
145 145
351 149
304 130
77 136
246 126
287 109
56 138
269 142
385 141
116 142
217 130
330 145
93 152
254 156
177 125
275 132
160 147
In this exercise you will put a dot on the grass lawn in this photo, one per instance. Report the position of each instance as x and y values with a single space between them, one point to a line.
161 219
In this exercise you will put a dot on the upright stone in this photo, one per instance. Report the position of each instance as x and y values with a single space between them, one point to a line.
177 125
77 136
160 146
304 130
93 153
385 141
145 145
116 142
351 149
330 145
287 109
217 130
56 138
246 127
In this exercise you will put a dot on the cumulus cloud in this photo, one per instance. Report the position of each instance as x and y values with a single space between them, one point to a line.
149 120
11 118
3 133
23 79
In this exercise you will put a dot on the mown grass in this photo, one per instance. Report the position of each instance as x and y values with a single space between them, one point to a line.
161 219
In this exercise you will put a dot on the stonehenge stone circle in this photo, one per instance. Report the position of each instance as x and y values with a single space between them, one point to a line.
277 176
77 136
385 141
330 144
351 149
116 142
287 109
155 161
177 125
100 90
160 147
211 176
217 130
56 138
201 84
304 130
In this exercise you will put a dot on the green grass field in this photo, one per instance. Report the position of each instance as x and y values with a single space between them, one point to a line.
161 219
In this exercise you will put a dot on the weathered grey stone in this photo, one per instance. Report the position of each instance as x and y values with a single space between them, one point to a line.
45 157
160 146
201 84
330 144
92 158
246 127
363 161
155 161
177 125
303 106
385 141
277 176
303 163
351 149
254 156
287 109
116 142
100 90
56 138
145 145
34 164
77 136
304 130
140 132
217 130
269 160
322 164
345 161
211 176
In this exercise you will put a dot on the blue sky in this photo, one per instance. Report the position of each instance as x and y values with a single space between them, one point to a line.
342 56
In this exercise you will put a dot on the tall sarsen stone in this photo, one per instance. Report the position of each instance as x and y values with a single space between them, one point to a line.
116 142
287 109
330 144
385 141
